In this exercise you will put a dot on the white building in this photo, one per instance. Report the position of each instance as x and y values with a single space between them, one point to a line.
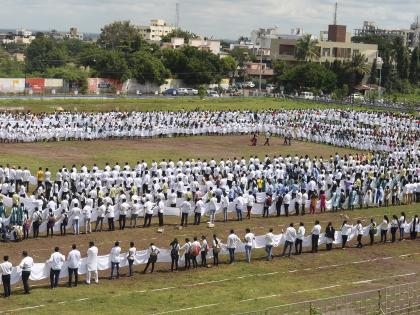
74 34
20 37
206 44
156 30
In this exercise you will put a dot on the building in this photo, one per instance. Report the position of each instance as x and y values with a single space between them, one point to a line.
255 69
23 37
410 36
74 34
156 30
210 45
333 45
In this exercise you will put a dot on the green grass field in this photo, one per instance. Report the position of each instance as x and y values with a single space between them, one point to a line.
226 289
161 104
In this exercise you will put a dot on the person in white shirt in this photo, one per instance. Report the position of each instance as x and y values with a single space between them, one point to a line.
316 231
26 265
269 242
92 263
359 229
204 250
290 237
131 255
87 214
56 262
73 264
100 211
110 212
185 210
232 242
198 211
76 213
161 210
345 232
186 248
299 238
115 259
153 256
6 271
148 212
249 244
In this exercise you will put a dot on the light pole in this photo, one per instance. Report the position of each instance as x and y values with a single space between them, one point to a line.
259 84
379 63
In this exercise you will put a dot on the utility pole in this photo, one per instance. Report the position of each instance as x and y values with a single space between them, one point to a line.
335 13
177 16
259 85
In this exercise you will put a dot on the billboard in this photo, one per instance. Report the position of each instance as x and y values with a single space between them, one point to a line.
12 85
53 83
35 84
102 84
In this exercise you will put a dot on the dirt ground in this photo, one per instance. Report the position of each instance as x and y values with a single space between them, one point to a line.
56 154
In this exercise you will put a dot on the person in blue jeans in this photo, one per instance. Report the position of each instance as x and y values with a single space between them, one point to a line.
232 242
249 242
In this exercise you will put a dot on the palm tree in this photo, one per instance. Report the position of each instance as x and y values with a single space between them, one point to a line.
357 68
307 49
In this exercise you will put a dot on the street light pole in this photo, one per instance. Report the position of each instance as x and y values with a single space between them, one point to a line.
259 85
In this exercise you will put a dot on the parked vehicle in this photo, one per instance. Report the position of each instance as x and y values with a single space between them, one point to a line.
307 95
269 88
182 91
171 92
192 91
249 84
213 94
358 97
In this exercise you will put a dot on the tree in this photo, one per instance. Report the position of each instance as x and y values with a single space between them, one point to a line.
121 35
147 68
373 73
112 64
241 55
45 52
179 34
10 67
414 66
357 68
310 75
72 74
401 56
229 66
307 49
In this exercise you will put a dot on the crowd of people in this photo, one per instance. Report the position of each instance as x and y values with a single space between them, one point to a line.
372 131
195 252
280 185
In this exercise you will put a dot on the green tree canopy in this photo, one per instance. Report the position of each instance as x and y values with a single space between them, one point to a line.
186 35
307 49
147 68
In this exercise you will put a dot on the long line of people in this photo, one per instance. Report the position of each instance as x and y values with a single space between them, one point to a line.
196 252
271 186
373 131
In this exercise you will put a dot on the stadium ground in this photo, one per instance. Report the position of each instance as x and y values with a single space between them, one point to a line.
226 289
57 154
163 104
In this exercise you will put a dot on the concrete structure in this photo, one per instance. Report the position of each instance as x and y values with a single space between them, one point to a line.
410 36
22 36
74 34
156 30
210 45
336 46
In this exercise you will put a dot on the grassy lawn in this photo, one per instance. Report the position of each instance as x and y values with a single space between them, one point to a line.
161 104
225 289
56 154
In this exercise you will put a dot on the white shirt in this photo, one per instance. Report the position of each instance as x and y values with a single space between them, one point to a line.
56 260
269 239
233 240
73 259
301 233
316 230
92 258
6 268
290 234
115 254
26 264
249 238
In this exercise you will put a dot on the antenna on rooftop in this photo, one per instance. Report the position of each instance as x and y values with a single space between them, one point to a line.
177 15
335 13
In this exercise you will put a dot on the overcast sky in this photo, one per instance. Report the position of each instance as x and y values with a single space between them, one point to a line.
227 19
